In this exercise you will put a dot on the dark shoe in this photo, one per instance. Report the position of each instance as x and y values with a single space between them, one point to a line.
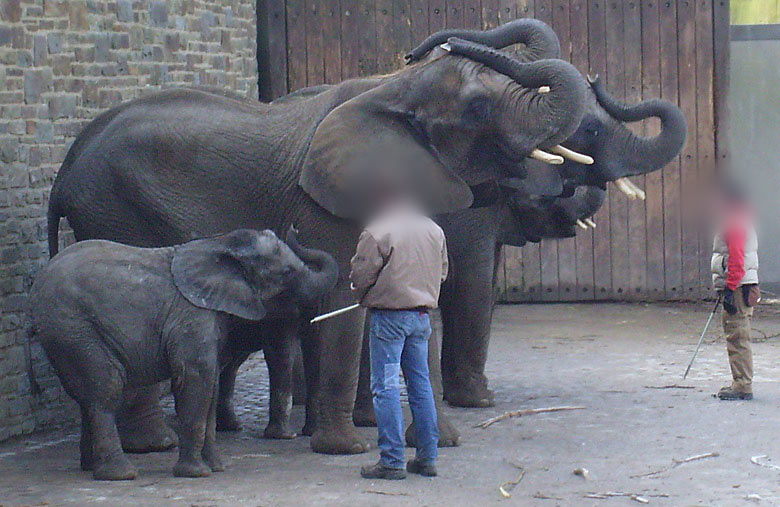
423 468
379 471
729 394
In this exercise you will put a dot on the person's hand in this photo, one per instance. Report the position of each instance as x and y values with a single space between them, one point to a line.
728 301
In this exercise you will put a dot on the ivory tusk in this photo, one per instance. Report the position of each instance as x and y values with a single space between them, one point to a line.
544 89
446 47
590 222
581 224
625 188
638 191
546 157
572 155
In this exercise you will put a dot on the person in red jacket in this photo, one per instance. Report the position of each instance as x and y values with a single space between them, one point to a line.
735 275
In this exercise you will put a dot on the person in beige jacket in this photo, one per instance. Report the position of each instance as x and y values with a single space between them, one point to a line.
397 271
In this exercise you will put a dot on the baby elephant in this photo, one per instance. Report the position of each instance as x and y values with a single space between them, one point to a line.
111 316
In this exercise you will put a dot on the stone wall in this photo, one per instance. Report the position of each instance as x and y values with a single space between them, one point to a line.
62 62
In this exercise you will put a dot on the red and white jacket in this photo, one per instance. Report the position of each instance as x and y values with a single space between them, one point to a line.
735 255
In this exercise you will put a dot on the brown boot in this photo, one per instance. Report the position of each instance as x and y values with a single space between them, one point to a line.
728 393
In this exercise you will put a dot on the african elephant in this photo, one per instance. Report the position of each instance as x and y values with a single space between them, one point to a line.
112 316
185 164
612 153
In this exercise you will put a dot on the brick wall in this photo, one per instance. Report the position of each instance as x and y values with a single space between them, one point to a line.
62 62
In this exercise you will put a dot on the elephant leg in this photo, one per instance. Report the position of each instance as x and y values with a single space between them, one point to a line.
141 423
467 313
227 420
449 436
210 454
109 462
341 340
193 391
363 413
278 357
310 356
299 376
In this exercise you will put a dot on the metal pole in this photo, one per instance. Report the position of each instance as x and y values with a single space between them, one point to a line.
334 313
701 338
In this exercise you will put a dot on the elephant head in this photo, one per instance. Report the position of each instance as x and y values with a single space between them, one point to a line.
246 271
464 115
533 218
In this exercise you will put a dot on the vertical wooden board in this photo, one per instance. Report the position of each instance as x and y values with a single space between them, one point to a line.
489 14
671 174
331 38
532 272
567 254
578 20
721 57
367 61
501 291
420 28
454 14
548 251
296 44
402 28
513 272
507 11
637 240
706 125
543 11
602 264
315 62
437 15
350 39
272 70
385 46
688 169
654 205
472 14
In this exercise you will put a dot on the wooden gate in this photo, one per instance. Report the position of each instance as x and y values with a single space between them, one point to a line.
677 50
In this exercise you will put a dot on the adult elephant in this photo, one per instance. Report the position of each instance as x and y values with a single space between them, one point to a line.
185 164
613 153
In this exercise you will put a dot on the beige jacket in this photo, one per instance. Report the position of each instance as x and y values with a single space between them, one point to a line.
400 262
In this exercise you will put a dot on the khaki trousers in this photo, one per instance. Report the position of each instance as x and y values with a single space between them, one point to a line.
737 330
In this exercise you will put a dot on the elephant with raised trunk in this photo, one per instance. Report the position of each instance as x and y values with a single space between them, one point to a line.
185 164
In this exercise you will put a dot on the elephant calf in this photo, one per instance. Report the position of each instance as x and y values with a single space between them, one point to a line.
111 317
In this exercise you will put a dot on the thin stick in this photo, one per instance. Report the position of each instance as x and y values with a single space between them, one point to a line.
670 386
508 486
755 461
520 413
678 462
641 498
701 338
334 313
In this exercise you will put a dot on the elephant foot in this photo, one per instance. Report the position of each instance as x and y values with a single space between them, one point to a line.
227 420
213 461
364 416
279 432
191 468
117 468
469 396
342 439
147 436
449 436
308 429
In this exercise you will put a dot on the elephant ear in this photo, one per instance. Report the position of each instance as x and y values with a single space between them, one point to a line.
363 151
212 274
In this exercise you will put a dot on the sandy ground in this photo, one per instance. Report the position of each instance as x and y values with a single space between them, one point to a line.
612 359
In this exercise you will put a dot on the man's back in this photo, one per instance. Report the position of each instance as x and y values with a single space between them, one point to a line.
400 261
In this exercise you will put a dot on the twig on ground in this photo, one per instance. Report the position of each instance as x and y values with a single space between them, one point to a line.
671 386
541 496
755 461
386 493
678 462
641 498
526 411
508 486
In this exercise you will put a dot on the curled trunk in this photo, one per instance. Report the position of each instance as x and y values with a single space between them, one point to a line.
539 39
640 154
320 272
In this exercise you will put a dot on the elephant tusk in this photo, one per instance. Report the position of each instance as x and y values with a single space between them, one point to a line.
638 191
590 222
572 155
625 188
546 157
581 224
544 89
446 47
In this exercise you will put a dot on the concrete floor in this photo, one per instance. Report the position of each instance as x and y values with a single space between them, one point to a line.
613 359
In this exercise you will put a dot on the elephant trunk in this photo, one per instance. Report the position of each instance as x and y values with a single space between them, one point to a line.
540 40
644 154
320 272
564 92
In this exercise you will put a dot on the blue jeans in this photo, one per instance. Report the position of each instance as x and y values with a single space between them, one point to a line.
399 341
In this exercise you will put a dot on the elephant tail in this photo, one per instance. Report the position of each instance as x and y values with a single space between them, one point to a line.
35 388
53 224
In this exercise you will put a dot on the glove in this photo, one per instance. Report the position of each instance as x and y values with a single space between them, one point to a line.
728 301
